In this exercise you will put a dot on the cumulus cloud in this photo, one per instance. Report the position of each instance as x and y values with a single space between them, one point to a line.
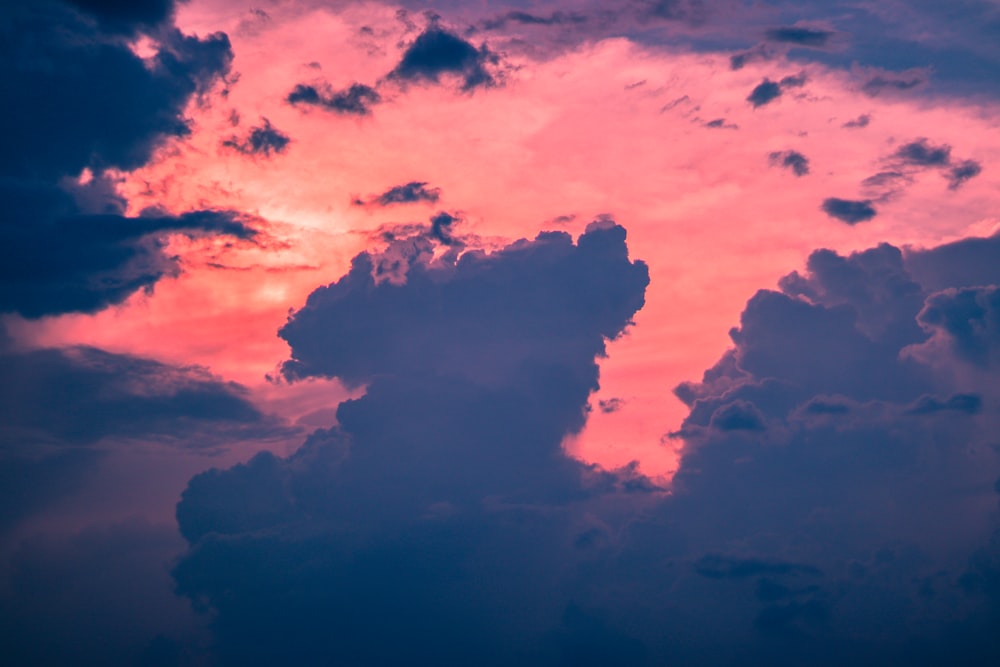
829 476
476 366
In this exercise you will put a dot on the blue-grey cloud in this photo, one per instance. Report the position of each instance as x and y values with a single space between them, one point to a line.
767 91
962 172
357 99
849 210
793 160
436 52
262 139
409 193
861 121
476 367
800 36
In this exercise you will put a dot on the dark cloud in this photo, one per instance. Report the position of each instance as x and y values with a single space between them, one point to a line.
437 52
357 99
610 405
476 366
53 585
86 101
921 153
799 36
56 259
556 18
263 139
962 172
967 403
104 106
768 91
765 92
126 16
968 321
853 425
861 121
835 468
720 123
878 83
797 162
722 567
848 210
409 193
967 263
78 396
693 12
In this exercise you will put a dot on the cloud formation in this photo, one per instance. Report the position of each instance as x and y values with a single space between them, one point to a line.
436 52
849 210
357 99
408 193
262 139
451 454
792 160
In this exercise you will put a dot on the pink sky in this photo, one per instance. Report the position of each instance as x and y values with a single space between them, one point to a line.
609 127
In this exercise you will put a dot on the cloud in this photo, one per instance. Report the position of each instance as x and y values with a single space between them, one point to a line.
437 52
920 153
967 320
850 211
767 91
556 18
800 36
126 17
263 140
408 193
357 99
475 367
793 160
87 102
861 121
962 172
55 259
879 82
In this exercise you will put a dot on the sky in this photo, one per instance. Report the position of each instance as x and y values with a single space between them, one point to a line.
649 332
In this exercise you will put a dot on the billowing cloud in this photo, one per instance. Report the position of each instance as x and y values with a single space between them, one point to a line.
262 139
850 211
455 445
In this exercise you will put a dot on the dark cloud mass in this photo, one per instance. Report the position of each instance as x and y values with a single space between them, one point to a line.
848 210
357 99
437 52
923 154
127 15
448 461
263 139
85 100
837 468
